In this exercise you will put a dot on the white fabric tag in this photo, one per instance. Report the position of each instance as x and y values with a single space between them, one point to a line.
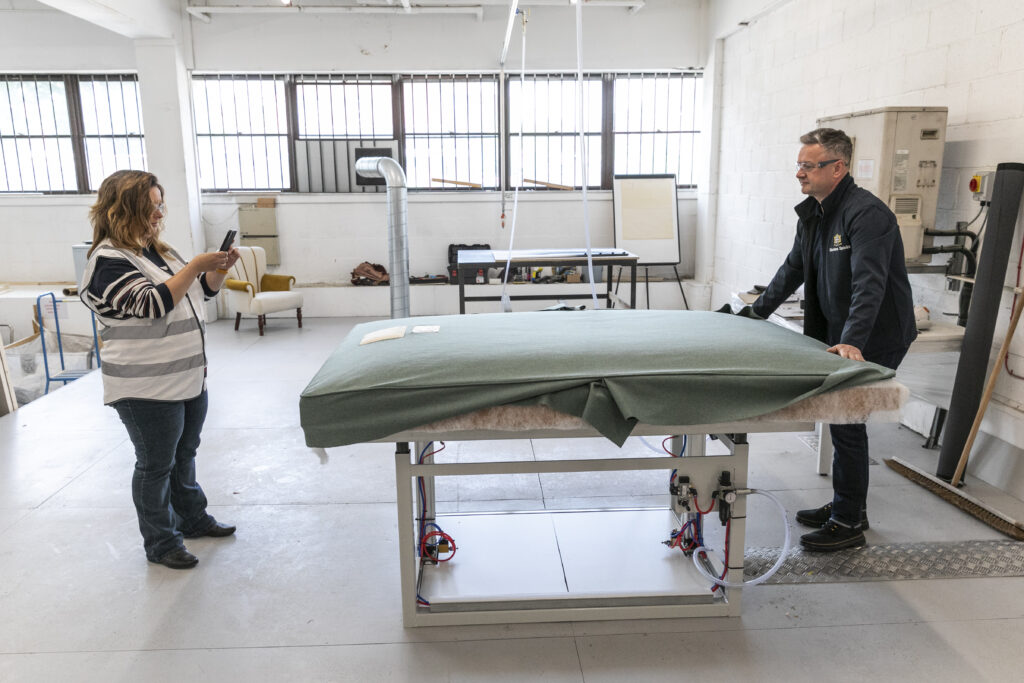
380 335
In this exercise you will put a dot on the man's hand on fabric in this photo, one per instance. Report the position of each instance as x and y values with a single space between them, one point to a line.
846 351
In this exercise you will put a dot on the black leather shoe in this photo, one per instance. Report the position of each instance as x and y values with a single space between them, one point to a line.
179 558
832 537
218 530
817 518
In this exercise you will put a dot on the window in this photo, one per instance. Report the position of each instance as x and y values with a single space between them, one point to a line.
337 117
344 107
111 126
241 132
543 131
654 124
67 133
451 131
36 148
303 133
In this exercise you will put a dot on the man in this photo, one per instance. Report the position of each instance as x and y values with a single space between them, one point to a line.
848 255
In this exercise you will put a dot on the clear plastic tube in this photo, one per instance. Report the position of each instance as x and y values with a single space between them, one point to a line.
764 577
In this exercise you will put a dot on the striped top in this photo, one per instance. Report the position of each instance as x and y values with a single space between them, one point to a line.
152 348
119 290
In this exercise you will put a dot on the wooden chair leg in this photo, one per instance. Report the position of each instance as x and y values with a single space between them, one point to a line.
262 322
298 314
238 319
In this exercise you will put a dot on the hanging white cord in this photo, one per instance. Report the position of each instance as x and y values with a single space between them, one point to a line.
764 577
583 145
506 302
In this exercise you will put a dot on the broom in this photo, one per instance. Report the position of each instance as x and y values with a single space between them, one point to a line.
948 492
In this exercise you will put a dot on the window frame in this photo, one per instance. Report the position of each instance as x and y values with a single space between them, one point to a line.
403 130
601 132
288 171
400 137
697 77
76 136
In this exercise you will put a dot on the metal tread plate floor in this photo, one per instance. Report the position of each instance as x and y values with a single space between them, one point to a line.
891 562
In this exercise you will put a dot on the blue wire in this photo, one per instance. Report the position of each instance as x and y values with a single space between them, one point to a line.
672 477
424 524
423 497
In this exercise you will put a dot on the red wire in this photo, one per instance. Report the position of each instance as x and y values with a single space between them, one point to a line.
663 441
728 525
433 452
426 537
725 564
697 505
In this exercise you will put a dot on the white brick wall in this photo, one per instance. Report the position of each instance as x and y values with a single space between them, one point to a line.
778 80
811 58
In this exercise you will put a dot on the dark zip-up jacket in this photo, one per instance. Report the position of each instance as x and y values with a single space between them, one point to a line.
848 255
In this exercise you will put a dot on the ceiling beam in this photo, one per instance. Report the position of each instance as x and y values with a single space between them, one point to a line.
205 12
473 7
130 18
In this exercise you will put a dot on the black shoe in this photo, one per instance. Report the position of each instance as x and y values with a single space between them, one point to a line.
179 558
218 530
832 537
817 518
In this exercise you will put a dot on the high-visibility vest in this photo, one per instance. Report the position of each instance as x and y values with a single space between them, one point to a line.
161 359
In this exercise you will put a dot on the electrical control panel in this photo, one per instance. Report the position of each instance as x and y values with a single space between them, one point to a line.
897 156
980 186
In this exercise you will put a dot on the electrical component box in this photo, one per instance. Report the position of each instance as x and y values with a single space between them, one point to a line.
897 156
980 186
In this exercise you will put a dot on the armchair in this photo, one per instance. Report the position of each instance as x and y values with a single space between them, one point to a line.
253 291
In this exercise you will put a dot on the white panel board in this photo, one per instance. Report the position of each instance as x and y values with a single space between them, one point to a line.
647 218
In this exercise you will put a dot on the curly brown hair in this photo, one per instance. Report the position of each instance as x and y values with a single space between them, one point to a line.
122 212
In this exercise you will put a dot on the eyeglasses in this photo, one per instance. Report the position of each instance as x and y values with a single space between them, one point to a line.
162 208
811 165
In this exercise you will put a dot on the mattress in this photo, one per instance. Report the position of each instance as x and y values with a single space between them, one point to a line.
611 369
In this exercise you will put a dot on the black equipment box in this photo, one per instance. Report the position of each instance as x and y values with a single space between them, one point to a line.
453 262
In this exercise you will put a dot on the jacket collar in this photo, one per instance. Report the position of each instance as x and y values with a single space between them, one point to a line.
810 207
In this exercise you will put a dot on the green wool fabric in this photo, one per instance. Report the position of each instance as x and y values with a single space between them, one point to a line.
613 368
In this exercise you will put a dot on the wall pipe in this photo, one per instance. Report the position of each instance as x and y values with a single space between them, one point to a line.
972 268
976 350
398 229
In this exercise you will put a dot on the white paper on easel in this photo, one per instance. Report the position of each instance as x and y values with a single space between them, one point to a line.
380 335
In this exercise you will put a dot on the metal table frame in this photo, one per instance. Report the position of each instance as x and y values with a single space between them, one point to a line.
470 261
700 467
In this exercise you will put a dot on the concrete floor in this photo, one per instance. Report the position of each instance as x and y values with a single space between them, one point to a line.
308 587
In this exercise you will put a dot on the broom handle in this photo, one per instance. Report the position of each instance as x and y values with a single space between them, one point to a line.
992 377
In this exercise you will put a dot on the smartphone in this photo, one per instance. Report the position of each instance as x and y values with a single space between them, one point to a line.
228 240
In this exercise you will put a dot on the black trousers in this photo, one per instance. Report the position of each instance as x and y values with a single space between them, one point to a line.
850 459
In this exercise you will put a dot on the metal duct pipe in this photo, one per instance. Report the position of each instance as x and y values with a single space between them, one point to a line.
398 229
972 369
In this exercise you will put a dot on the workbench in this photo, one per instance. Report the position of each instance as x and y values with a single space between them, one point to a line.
472 261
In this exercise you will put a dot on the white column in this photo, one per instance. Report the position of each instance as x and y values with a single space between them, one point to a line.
165 91
707 166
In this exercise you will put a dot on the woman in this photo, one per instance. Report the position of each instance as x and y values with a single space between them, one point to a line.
149 302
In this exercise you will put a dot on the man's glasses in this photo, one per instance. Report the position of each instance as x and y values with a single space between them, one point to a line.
811 165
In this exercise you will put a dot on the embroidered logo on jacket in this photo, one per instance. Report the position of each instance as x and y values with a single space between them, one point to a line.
837 243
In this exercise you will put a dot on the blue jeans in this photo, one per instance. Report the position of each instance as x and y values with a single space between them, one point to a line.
850 459
168 500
